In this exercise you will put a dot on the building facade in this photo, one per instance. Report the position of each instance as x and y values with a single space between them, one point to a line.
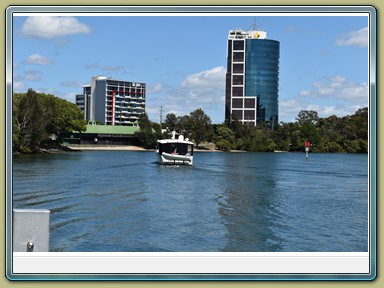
104 135
112 102
252 78
83 101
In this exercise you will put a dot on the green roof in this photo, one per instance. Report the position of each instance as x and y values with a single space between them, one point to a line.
108 129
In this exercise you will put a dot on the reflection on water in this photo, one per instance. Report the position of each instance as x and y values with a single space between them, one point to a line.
251 202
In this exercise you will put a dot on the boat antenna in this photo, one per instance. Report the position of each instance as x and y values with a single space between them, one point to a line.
255 26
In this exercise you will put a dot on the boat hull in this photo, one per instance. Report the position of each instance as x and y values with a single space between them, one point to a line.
175 159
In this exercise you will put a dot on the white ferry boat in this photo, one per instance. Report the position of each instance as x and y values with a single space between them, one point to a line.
175 151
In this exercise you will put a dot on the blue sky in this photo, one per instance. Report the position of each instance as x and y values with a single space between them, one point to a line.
182 59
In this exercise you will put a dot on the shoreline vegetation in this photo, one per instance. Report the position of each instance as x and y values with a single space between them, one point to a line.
96 147
41 123
134 148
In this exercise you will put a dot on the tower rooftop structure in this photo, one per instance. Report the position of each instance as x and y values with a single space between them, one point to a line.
249 34
253 32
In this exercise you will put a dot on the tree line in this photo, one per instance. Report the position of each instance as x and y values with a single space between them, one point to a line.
36 117
329 134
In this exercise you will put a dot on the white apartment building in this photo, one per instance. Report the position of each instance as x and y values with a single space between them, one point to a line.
112 102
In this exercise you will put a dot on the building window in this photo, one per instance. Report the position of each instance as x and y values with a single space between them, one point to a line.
249 114
238 45
238 68
238 56
250 103
237 80
237 114
237 91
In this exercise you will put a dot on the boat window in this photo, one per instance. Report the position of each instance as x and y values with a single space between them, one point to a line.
168 148
181 149
190 149
176 148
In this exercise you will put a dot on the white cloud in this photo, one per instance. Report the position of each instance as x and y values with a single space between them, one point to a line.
32 75
305 93
212 78
73 83
49 27
338 87
357 38
38 60
203 90
338 110
331 110
155 88
291 29
50 90
71 97
333 96
92 66
18 87
290 108
117 68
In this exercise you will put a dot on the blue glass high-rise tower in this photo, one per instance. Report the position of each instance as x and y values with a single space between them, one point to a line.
252 79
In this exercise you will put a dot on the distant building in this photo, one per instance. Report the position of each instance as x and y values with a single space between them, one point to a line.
112 102
252 79
104 135
83 101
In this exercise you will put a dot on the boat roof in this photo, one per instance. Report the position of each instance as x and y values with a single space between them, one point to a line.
166 141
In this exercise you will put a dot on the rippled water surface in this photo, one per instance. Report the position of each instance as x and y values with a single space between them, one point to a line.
124 201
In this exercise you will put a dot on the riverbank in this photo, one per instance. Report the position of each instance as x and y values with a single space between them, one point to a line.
97 147
107 147
91 147
129 148
52 148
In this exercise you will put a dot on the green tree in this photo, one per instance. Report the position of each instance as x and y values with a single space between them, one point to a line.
271 145
64 116
37 115
352 146
281 136
308 122
330 147
363 146
158 132
307 117
224 145
171 122
359 124
226 136
146 135
184 126
30 121
201 126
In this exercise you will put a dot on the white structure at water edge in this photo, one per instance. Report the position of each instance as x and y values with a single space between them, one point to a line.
175 151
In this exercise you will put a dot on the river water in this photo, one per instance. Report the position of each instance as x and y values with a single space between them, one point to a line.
123 201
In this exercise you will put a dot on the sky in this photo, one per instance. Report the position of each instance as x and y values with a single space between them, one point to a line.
182 59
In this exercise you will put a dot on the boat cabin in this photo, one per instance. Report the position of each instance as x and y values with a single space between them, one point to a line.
175 148
175 151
